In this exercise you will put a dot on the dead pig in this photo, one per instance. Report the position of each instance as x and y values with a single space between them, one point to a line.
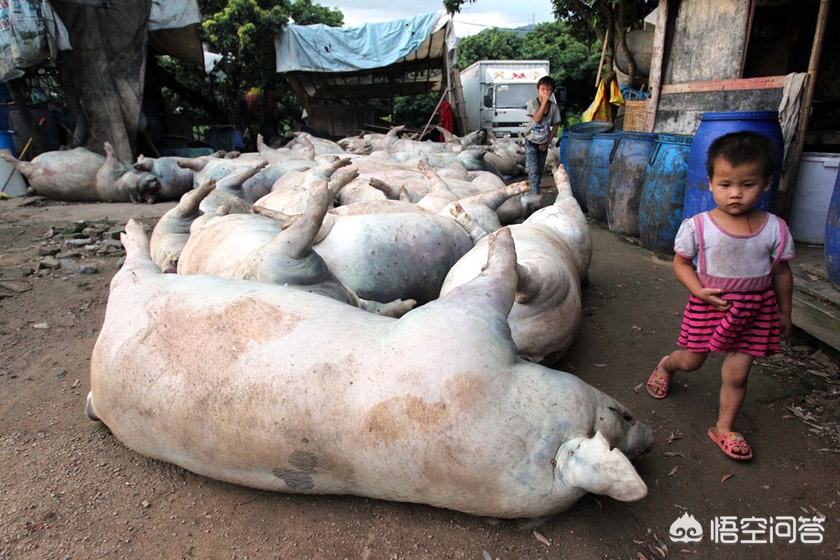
80 175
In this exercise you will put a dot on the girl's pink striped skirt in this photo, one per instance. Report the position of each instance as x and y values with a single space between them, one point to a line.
750 326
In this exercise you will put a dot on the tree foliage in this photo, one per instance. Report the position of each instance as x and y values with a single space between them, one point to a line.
588 18
573 63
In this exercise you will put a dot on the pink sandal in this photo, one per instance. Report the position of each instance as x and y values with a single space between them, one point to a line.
659 383
729 441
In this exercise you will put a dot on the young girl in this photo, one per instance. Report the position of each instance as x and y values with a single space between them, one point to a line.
741 292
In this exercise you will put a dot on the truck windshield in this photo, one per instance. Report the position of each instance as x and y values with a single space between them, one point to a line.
514 96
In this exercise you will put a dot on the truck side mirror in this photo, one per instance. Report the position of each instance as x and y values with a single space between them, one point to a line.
488 98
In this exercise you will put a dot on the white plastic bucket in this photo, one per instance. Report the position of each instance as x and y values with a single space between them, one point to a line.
12 182
809 208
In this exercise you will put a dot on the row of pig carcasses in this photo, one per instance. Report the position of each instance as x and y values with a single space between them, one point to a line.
643 184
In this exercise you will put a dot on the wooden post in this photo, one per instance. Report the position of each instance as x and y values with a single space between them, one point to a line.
601 62
657 54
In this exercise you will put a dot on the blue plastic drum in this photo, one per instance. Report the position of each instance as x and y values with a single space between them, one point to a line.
698 198
832 236
663 192
628 164
577 154
596 175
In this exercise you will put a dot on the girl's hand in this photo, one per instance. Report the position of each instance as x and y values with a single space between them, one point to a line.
785 326
711 296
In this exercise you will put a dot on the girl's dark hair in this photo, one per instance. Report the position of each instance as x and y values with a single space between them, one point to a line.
547 81
743 147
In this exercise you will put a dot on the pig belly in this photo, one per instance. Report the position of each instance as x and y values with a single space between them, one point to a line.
65 175
394 256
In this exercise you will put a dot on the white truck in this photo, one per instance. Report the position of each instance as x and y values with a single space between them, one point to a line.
496 93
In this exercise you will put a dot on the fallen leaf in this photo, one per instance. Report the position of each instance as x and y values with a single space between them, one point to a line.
673 471
641 556
600 365
817 512
673 454
539 536
672 438
75 384
637 387
726 477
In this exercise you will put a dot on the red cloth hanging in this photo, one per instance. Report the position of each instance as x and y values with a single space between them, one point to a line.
447 117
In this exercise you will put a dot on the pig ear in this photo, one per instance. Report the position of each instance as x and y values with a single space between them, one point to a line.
589 464
143 165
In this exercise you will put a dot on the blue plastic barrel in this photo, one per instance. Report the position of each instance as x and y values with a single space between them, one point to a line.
663 192
832 236
577 153
564 144
628 164
698 198
596 175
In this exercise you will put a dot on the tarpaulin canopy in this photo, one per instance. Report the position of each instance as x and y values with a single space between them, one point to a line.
398 57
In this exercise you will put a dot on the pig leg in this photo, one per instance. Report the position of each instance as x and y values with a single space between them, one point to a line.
391 191
173 229
465 220
26 168
494 199
341 180
439 192
495 287
395 309
233 181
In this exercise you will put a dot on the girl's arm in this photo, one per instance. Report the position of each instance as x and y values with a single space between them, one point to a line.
688 277
783 286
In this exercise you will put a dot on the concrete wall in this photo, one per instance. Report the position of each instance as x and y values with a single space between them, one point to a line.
680 113
708 41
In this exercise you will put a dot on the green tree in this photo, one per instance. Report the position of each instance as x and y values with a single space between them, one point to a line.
573 63
490 44
598 17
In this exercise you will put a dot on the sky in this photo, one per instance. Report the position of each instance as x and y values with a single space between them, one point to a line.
472 19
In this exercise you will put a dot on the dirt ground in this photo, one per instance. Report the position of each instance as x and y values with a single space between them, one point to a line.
70 490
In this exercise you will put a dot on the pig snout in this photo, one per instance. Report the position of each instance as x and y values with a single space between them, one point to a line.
146 188
639 440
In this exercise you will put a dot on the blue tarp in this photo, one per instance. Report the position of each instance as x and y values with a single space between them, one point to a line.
319 48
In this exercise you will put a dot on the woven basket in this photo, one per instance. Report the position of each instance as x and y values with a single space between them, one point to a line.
634 115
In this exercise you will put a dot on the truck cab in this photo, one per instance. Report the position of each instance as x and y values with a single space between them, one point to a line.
504 107
496 94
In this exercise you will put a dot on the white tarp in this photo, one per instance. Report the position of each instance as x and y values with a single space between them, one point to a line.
172 14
